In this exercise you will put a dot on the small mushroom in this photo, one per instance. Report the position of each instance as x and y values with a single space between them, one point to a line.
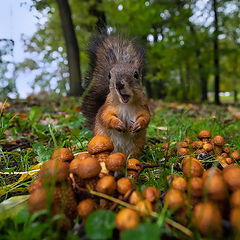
124 185
229 160
37 200
192 167
179 183
134 198
204 134
34 186
211 172
207 147
197 144
106 185
85 208
232 177
207 218
235 155
63 154
150 193
218 140
126 219
132 166
235 219
174 199
196 186
226 150
144 207
235 199
183 152
83 155
116 162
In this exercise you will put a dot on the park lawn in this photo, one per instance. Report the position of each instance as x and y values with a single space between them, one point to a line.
31 130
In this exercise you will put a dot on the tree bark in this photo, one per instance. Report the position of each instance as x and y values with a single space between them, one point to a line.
216 54
71 47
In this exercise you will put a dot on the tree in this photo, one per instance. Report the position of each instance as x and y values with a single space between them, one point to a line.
71 47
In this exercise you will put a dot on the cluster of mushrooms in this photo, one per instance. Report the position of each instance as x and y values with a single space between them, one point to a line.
213 195
65 184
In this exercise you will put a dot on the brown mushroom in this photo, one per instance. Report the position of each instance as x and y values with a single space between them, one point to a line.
126 219
211 172
179 183
235 199
54 171
124 185
232 177
132 166
183 152
204 134
116 161
106 185
85 168
150 193
207 147
197 144
218 140
134 198
37 200
229 160
207 218
192 167
83 155
85 208
196 186
63 154
144 207
235 155
174 199
235 219
34 186
226 150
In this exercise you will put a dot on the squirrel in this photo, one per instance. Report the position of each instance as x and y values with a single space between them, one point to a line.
115 104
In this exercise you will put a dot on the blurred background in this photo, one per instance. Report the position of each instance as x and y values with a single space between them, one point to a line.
192 47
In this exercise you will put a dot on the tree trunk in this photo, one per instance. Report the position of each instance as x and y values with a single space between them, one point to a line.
71 47
216 54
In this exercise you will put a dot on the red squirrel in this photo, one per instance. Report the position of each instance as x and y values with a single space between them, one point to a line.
115 104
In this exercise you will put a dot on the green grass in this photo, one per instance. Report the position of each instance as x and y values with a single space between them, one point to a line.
61 125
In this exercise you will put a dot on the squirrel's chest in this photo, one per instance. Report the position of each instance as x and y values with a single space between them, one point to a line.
127 114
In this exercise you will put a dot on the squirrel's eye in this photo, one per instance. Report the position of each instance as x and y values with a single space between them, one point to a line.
136 75
109 75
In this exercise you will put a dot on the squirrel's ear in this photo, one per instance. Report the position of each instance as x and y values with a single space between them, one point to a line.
111 56
140 57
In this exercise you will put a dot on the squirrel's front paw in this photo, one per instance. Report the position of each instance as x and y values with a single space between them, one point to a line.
121 127
136 127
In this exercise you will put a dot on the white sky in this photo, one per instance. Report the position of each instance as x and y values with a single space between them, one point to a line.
14 21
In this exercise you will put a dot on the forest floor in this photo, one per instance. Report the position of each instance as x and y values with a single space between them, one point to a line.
31 129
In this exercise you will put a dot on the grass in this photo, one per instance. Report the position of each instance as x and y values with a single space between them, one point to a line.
61 124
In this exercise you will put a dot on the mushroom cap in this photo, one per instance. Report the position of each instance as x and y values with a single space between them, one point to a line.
106 185
126 219
174 198
207 218
144 207
207 147
83 155
150 193
197 144
124 185
226 149
85 207
179 183
132 164
181 145
211 172
204 134
116 161
34 185
218 140
192 167
134 198
54 170
232 177
183 152
235 155
215 187
196 186
100 144
229 160
85 168
37 200
63 154
235 199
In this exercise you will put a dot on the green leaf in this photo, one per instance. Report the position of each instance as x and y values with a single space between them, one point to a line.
44 152
11 207
142 232
34 113
100 224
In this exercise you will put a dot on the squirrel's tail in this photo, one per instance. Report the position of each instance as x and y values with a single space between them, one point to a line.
96 82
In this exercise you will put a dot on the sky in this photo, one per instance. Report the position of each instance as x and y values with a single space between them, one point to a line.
15 20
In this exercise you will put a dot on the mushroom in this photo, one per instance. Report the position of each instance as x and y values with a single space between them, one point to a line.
235 218
235 199
196 186
54 171
101 147
85 208
226 150
211 172
126 219
132 166
106 185
34 186
174 199
207 218
37 200
83 155
124 185
85 168
204 135
183 152
150 193
144 207
192 167
229 160
235 155
232 177
179 183
218 140
116 162
207 147
63 154
197 144
134 198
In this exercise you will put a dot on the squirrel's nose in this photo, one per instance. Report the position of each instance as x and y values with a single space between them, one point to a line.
119 85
